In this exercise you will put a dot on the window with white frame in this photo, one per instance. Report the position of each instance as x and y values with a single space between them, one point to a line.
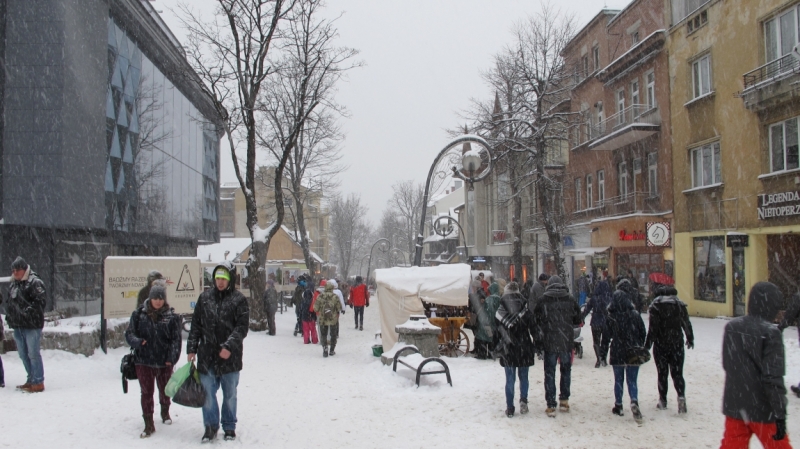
620 106
783 144
596 57
780 34
701 76
652 173
622 177
635 92
578 193
650 89
589 193
600 127
601 187
705 165
637 173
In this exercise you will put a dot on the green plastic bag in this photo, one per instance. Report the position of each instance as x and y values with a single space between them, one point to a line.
178 378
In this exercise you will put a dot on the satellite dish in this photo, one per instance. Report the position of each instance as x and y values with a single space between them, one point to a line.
796 52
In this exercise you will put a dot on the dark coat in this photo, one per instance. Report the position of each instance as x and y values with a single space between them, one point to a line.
598 304
163 337
792 314
26 302
220 320
537 290
556 315
753 359
271 300
306 311
521 352
624 327
669 320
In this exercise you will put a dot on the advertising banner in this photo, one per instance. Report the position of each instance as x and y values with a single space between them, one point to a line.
125 276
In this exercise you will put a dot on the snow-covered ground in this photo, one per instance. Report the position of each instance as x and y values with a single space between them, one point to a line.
289 396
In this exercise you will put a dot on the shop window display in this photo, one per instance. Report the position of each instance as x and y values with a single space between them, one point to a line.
709 268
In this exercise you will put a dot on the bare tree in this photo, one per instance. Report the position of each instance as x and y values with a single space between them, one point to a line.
349 230
406 205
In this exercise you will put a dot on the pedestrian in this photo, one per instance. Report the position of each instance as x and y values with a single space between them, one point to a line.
583 285
338 293
598 307
327 308
308 316
219 326
25 314
345 288
526 289
514 345
297 299
791 317
754 399
556 316
144 292
484 284
537 291
2 338
624 330
669 320
484 334
154 331
359 298
271 305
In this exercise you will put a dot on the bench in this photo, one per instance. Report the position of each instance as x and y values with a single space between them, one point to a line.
418 363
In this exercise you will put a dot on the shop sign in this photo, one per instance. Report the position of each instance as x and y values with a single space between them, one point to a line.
624 236
776 205
658 234
737 240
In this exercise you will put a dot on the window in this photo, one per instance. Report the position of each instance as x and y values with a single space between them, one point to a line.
601 187
596 57
589 193
701 76
780 34
635 38
600 127
637 174
578 192
651 90
622 176
684 8
635 92
706 165
783 144
585 64
697 21
709 268
620 106
652 173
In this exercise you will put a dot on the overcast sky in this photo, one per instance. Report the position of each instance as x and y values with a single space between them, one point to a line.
424 60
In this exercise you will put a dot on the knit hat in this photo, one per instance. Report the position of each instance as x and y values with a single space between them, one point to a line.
19 264
554 280
512 287
544 277
222 273
359 279
158 291
765 301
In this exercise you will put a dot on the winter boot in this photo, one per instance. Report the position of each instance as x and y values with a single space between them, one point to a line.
510 412
681 406
230 435
617 410
662 404
795 389
523 406
165 418
551 412
637 414
324 351
210 435
332 352
149 426
597 365
24 386
34 388
603 362
361 328
563 405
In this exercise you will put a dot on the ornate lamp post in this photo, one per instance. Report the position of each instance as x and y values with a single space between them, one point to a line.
443 226
476 165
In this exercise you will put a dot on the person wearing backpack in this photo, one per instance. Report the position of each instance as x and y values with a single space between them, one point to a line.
154 331
328 308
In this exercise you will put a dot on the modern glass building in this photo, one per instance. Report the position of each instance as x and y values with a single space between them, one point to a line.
109 145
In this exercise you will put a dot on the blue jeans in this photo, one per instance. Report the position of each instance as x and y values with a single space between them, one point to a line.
629 374
550 361
29 347
511 373
211 383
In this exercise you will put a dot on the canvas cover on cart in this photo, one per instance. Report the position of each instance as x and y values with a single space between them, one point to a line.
401 289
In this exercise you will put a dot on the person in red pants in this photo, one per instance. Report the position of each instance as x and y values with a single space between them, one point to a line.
754 401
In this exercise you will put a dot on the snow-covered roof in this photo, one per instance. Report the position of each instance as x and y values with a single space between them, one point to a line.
216 251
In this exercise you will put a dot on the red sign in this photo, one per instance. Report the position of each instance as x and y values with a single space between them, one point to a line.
624 236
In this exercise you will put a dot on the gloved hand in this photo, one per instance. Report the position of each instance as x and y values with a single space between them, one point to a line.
690 344
780 430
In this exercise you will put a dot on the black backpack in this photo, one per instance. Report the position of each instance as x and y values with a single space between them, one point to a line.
128 369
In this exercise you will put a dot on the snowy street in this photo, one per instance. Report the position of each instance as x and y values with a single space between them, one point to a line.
289 396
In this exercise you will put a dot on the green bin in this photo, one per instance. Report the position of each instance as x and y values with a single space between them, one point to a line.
377 350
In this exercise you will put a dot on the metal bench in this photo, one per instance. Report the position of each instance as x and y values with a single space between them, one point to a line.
419 365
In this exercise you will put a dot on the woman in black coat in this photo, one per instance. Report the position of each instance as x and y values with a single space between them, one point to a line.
154 332
514 345
624 330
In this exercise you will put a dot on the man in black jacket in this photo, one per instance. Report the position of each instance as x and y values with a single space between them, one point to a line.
669 320
25 314
556 315
754 401
219 326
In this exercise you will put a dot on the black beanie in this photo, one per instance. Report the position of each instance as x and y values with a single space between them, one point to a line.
19 264
158 291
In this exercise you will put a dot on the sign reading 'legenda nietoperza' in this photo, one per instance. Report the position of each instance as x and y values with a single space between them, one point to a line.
776 205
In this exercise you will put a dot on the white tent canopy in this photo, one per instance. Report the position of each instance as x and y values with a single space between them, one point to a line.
400 291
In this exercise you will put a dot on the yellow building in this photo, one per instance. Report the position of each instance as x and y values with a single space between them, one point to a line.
734 112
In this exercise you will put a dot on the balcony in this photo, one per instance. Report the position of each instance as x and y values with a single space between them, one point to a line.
772 84
632 124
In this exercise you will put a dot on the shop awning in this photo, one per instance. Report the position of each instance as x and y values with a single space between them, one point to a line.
589 251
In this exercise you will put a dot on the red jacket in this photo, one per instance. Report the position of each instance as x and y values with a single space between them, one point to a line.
359 295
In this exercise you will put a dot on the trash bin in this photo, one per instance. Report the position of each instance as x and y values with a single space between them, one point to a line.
377 350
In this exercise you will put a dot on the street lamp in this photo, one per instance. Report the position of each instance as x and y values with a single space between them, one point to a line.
476 165
443 226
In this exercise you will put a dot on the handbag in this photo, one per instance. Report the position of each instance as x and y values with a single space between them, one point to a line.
637 355
128 369
191 393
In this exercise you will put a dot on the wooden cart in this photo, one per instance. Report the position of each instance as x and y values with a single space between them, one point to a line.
453 341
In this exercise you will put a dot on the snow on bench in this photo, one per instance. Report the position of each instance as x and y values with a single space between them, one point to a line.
417 363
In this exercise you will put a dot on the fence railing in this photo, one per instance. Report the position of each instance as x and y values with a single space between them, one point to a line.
636 113
771 69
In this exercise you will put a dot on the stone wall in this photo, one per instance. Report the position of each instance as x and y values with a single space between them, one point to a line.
78 342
